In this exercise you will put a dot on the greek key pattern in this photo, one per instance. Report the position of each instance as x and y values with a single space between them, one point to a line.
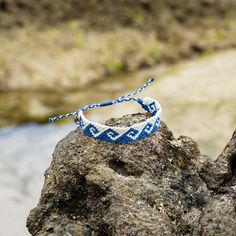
120 134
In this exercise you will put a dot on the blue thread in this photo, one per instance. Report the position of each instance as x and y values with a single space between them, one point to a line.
116 134
106 104
123 98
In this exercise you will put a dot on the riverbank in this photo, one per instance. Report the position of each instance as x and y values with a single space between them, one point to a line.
47 46
198 100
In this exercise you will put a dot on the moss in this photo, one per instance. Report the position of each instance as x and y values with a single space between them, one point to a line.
134 17
51 34
79 42
114 67
220 35
73 25
152 54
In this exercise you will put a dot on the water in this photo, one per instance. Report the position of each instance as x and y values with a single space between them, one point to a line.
198 100
26 150
18 107
25 154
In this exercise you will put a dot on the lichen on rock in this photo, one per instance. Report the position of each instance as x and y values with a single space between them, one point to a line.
156 186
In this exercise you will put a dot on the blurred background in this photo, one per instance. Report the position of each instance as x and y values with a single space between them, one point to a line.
56 56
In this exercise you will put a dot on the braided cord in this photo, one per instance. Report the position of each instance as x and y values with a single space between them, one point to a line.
123 98
138 90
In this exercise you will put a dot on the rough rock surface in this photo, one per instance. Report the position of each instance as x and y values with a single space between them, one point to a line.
157 186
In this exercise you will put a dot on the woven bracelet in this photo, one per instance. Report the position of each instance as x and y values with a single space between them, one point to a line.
120 134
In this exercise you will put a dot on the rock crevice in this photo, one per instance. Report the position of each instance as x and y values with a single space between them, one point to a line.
157 186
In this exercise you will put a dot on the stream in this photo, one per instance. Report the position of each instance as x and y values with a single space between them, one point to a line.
198 99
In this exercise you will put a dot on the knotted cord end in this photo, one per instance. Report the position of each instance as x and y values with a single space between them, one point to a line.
50 120
124 98
151 80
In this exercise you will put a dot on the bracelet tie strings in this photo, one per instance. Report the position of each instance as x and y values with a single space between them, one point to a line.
123 98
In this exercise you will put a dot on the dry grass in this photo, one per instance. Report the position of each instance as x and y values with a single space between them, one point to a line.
68 56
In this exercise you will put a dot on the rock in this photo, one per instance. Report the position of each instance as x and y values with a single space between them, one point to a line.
157 186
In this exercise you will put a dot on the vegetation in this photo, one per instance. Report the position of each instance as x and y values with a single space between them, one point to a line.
68 45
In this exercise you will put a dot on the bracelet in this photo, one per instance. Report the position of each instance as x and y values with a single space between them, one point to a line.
120 134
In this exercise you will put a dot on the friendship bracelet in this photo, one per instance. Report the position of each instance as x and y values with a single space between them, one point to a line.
120 134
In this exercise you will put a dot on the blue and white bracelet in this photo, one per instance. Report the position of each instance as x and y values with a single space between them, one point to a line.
120 134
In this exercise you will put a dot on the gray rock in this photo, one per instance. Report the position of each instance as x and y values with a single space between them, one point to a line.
157 186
